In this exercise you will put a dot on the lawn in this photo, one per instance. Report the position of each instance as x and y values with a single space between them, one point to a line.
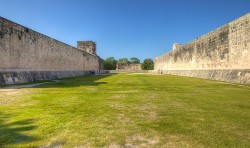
126 110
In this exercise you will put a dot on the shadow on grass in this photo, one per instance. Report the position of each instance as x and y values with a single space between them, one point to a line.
14 133
89 80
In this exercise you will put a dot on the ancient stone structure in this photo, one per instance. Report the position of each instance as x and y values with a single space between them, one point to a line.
176 46
222 54
88 46
26 55
127 66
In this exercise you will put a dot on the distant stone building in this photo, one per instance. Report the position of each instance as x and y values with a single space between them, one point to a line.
88 46
127 66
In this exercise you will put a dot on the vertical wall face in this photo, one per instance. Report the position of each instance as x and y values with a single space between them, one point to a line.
210 51
25 49
225 48
26 55
128 67
239 42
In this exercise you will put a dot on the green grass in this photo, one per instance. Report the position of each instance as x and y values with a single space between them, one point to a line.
140 110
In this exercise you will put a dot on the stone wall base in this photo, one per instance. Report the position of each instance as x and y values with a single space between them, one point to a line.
15 77
233 76
131 71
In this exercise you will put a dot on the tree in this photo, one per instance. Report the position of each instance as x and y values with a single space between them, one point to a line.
123 60
110 63
134 60
147 64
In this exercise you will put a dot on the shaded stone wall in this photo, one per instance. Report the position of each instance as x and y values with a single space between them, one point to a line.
131 71
226 48
22 49
14 77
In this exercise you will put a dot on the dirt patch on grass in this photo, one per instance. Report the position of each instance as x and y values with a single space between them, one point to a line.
146 107
155 140
141 141
57 144
126 91
8 96
113 145
118 96
151 95
9 91
117 106
137 141
147 111
122 118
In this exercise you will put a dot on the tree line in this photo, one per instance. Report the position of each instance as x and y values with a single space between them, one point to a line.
110 63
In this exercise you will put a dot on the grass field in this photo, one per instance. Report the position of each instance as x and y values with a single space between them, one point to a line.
126 110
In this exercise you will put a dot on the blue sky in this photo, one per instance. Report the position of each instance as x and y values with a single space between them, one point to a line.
124 28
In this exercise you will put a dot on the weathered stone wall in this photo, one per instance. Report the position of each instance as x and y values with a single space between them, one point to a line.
128 67
22 49
234 76
131 71
14 77
226 48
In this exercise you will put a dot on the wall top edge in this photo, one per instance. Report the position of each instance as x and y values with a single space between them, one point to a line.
210 32
5 19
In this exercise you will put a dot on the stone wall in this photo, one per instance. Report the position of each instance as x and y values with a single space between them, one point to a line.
130 71
234 76
14 77
226 48
22 49
127 66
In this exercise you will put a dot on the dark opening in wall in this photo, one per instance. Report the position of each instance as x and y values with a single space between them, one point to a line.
1 34
11 31
27 30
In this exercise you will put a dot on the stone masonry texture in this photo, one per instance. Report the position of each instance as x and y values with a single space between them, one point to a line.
224 51
128 66
24 50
